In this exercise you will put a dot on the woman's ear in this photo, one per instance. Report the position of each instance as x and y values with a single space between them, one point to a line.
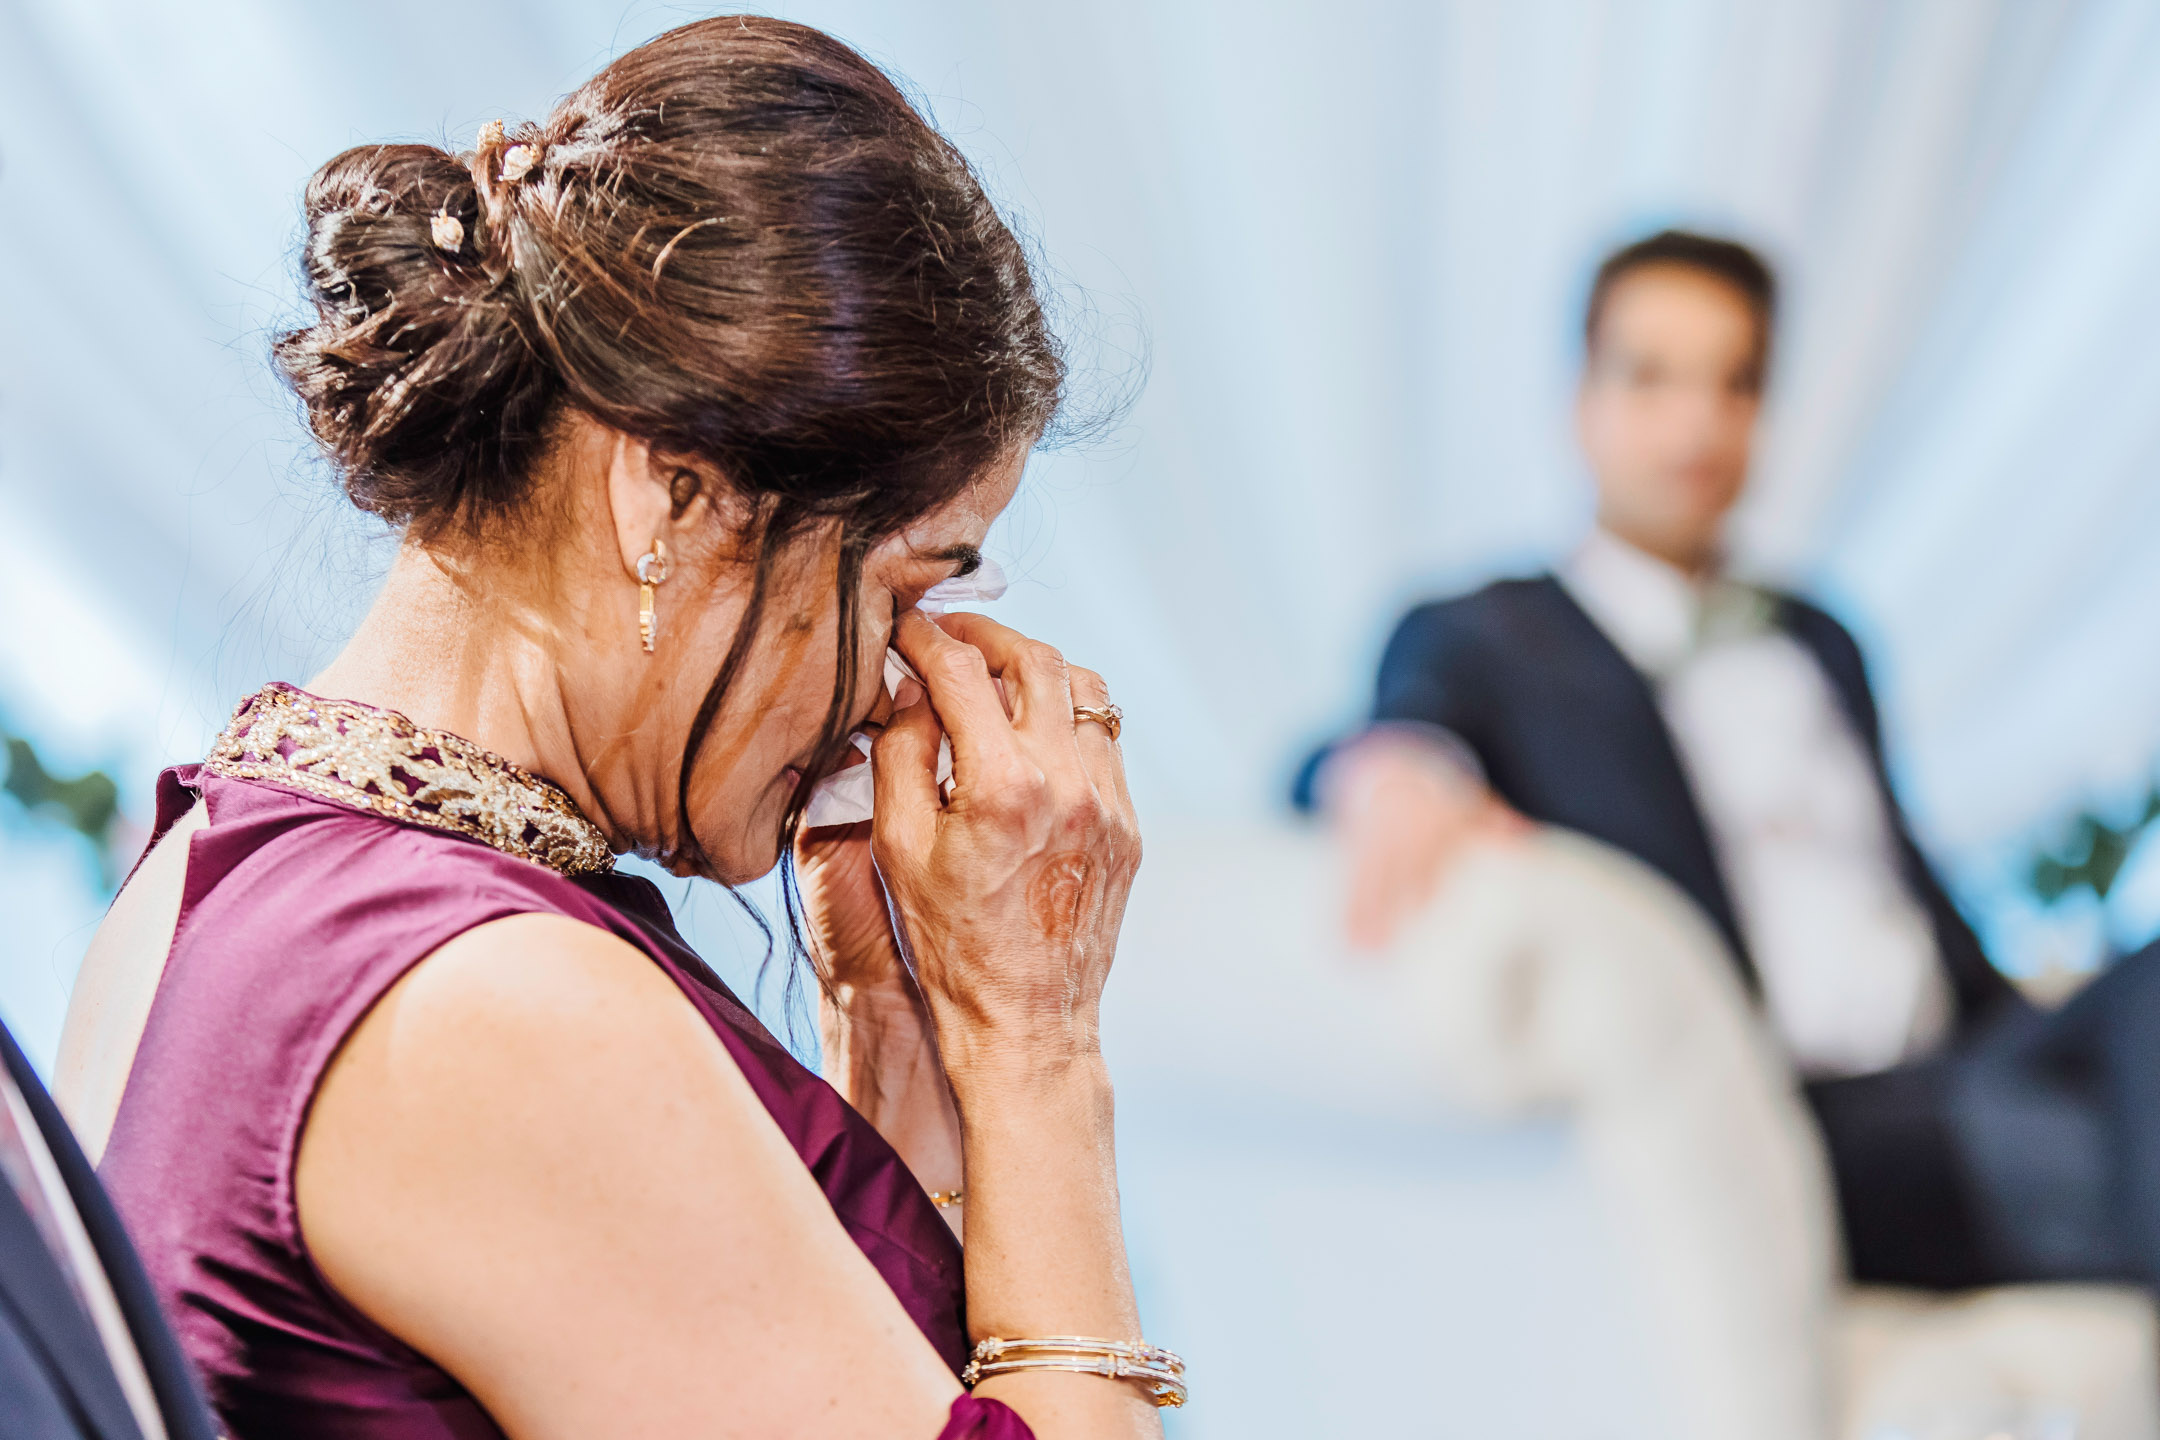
641 497
655 496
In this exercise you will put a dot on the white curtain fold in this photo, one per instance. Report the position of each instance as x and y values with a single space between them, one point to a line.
1355 237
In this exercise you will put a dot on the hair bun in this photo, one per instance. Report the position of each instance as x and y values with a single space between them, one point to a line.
737 242
418 375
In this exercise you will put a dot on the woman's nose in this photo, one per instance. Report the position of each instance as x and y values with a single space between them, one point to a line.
882 709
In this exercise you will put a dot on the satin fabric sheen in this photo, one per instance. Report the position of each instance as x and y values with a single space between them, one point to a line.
297 915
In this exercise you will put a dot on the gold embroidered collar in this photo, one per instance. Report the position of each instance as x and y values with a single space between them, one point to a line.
380 762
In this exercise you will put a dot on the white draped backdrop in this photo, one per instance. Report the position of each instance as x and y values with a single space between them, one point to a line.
1352 242
1351 239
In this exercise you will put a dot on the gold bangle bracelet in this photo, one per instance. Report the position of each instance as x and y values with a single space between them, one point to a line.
1159 1372
1167 1390
993 1347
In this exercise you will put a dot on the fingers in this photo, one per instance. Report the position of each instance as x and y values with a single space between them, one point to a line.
904 774
1099 754
1037 681
968 706
1400 846
1383 891
958 655
1364 912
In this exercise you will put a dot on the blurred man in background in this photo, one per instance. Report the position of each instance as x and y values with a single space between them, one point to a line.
1726 735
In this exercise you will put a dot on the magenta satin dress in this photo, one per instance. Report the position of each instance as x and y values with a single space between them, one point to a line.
299 912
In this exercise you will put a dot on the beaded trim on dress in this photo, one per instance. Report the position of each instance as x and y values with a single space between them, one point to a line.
379 761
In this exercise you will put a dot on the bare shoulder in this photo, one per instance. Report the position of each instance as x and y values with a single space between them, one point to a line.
509 1043
109 1006
535 1162
528 986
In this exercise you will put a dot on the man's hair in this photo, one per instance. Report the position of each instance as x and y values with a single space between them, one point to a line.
1726 260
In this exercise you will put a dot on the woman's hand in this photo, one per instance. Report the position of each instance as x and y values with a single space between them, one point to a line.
844 908
1009 893
843 899
875 1032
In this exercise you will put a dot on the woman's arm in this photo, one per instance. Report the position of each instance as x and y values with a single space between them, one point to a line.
880 1053
536 1164
1009 896
879 1050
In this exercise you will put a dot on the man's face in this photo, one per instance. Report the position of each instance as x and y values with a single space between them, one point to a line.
1667 409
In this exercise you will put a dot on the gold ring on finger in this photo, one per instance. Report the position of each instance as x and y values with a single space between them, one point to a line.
1110 717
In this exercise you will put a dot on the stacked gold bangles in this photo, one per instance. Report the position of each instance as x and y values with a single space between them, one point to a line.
1158 1372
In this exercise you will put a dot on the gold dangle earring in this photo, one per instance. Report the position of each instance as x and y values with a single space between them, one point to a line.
651 573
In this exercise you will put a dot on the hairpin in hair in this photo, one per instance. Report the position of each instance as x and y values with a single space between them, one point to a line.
447 231
519 161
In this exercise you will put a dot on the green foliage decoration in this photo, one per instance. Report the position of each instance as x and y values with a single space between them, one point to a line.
2092 854
88 803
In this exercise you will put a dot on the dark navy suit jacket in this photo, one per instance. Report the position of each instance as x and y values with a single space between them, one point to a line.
1570 734
55 1380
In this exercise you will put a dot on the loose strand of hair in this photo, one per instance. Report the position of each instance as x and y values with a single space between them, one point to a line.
772 536
832 744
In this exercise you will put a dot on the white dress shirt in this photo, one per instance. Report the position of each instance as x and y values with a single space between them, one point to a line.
1850 972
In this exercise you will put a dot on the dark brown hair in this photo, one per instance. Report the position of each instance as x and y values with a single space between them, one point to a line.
738 242
1726 260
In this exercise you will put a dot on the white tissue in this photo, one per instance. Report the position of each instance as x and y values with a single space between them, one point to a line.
848 796
987 583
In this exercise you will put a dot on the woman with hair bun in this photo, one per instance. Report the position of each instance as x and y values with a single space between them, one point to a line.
428 1123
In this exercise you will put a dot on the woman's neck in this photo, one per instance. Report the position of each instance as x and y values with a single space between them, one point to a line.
443 652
